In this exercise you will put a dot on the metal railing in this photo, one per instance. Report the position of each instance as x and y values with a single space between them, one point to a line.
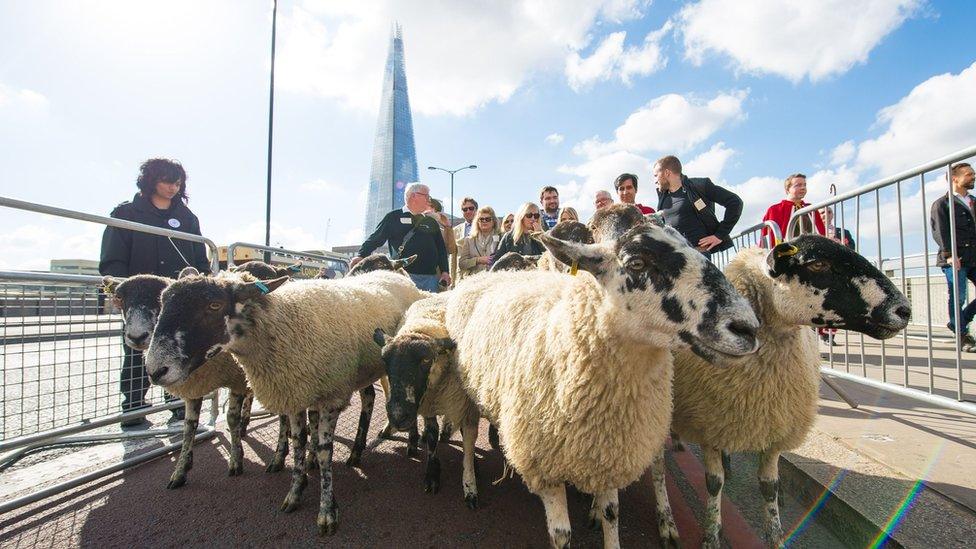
747 238
935 366
315 260
61 357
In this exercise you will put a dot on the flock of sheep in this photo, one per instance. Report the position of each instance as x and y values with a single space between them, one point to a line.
585 363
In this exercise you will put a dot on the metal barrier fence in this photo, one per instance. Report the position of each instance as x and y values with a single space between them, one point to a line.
894 213
60 359
747 238
314 260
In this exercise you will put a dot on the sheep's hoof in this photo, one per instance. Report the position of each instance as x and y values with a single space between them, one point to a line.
432 484
413 451
594 523
387 432
560 538
493 438
355 459
275 466
236 470
289 505
176 482
471 500
329 521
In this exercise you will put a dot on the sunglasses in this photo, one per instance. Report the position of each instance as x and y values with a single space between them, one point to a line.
486 219
532 216
467 208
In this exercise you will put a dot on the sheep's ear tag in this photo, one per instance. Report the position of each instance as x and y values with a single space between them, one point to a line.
293 268
792 250
574 268
262 287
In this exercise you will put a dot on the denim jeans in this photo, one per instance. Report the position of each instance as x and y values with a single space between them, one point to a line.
968 309
426 282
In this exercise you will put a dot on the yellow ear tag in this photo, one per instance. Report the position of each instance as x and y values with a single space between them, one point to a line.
575 268
786 253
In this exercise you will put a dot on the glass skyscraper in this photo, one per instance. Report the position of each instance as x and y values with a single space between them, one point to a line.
394 157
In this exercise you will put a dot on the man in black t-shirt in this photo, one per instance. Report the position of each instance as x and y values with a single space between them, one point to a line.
410 231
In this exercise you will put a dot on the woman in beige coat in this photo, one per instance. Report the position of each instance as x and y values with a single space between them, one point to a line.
474 251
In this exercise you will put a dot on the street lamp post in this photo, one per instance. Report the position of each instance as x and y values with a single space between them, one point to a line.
452 172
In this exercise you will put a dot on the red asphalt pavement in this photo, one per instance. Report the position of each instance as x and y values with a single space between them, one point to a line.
380 504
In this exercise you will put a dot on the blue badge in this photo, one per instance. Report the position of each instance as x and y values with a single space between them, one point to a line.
173 222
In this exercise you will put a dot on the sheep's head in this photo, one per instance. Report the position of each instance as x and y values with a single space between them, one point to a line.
259 269
138 298
819 282
380 262
611 222
412 360
514 261
664 292
200 316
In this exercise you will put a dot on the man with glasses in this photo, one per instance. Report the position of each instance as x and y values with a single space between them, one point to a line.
602 200
410 231
469 207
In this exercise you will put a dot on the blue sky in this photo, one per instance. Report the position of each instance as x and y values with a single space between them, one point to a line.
744 92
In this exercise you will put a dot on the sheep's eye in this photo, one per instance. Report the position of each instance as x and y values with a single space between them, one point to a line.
635 265
427 360
215 306
818 266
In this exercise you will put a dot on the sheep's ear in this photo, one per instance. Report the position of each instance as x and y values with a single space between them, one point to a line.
110 284
380 337
251 290
405 262
781 258
445 345
589 257
188 271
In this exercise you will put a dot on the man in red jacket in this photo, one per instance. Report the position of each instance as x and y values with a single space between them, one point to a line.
796 188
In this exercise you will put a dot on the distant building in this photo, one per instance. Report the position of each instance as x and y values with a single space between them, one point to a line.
347 251
75 266
394 156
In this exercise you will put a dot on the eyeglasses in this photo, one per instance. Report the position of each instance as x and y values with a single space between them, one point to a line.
467 208
486 219
532 216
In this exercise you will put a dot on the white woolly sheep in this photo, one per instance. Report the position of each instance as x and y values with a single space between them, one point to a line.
303 345
575 371
419 365
768 402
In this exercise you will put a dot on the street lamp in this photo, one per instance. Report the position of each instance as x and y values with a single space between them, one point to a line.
452 172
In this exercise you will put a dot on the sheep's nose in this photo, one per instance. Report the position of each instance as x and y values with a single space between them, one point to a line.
742 329
139 338
154 377
904 312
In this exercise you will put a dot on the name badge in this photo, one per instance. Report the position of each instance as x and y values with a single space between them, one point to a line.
699 204
406 221
175 223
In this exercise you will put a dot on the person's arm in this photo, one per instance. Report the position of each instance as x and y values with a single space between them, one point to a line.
466 261
729 200
116 249
941 226
380 235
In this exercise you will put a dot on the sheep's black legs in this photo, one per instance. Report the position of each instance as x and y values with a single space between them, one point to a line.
769 487
432 470
493 437
469 478
413 441
557 515
246 412
185 461
604 511
281 450
714 480
311 460
665 518
234 422
328 518
367 396
298 433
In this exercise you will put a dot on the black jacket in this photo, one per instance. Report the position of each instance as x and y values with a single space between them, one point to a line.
126 253
427 241
965 232
525 246
710 194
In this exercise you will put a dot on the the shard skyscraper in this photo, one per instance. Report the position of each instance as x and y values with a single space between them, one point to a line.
394 156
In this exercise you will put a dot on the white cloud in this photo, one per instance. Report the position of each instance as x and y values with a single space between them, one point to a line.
33 246
554 138
596 174
611 59
935 119
710 163
321 185
459 56
843 153
670 123
795 39
20 100
284 236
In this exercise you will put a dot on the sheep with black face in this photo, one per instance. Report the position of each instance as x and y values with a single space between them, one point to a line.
768 403
575 371
306 345
381 262
514 261
571 231
419 365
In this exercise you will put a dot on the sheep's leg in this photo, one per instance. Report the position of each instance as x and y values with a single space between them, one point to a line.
769 487
604 511
281 450
246 412
447 430
432 471
676 444
557 515
234 421
665 518
185 461
298 433
388 429
413 441
469 477
367 396
328 518
311 460
714 480
493 437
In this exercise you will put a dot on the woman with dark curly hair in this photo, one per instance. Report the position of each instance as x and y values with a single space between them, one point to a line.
160 202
